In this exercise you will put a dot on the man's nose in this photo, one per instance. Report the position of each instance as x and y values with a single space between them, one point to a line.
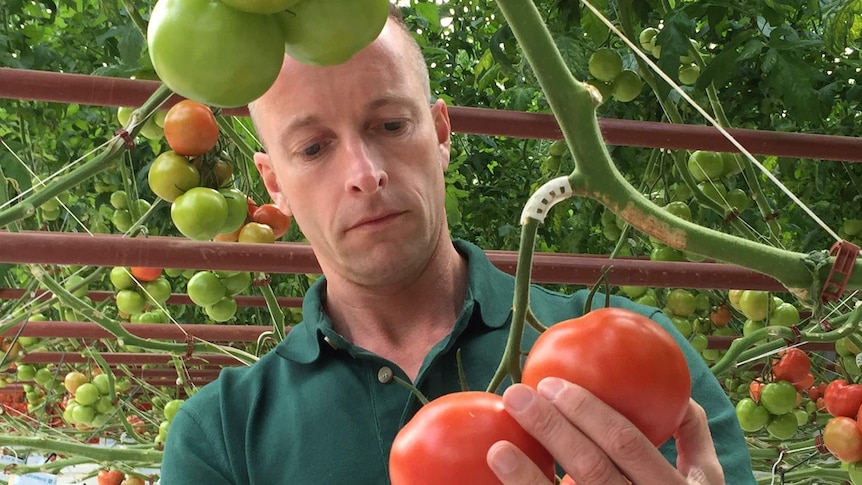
365 167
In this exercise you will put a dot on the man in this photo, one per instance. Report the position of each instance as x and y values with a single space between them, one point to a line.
356 153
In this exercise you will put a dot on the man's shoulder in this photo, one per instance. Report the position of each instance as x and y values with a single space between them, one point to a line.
232 388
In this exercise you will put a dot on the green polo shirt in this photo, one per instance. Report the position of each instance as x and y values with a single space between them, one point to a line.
318 410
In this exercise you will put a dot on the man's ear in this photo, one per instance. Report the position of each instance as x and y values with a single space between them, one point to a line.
264 167
443 128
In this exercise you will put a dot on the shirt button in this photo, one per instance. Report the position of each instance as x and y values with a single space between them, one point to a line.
384 375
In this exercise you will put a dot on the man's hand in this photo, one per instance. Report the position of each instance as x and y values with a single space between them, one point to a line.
597 445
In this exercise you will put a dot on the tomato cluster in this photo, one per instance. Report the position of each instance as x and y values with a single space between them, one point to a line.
689 70
92 399
609 77
141 294
239 45
215 291
776 404
761 308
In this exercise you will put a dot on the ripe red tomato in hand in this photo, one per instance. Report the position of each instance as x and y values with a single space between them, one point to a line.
625 359
191 128
843 439
448 440
793 365
272 216
842 398
109 477
146 274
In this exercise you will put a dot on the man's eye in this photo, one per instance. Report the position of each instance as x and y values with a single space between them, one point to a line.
393 125
312 150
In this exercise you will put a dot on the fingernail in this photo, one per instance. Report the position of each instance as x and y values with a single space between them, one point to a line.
549 387
518 397
503 460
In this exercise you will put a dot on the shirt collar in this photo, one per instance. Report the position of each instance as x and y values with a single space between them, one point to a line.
489 290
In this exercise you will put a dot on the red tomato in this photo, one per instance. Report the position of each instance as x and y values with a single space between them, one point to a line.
627 360
842 399
721 316
843 439
792 365
272 216
252 207
755 388
191 128
816 392
806 383
448 440
146 274
109 477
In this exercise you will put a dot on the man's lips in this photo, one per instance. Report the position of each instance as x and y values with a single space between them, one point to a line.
375 220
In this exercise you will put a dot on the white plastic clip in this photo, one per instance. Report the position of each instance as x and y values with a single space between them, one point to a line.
546 197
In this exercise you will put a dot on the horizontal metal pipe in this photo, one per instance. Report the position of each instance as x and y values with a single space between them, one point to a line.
42 247
160 331
174 299
106 91
116 358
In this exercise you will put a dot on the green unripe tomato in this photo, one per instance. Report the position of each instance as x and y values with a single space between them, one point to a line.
705 165
121 278
627 86
171 175
215 54
199 213
688 74
605 64
329 32
261 6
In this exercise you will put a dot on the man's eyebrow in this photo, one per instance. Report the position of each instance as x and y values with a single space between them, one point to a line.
402 101
298 123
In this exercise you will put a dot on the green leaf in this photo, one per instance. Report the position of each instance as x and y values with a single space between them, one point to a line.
428 12
793 81
843 27
674 42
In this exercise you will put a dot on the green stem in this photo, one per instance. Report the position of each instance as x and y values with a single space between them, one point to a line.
274 310
510 364
50 467
739 349
136 17
95 453
795 476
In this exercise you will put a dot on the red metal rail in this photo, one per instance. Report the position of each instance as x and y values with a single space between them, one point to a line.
104 91
128 358
174 299
173 252
210 333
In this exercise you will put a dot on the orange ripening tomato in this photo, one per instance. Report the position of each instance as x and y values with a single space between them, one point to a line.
146 274
448 439
191 128
272 216
625 359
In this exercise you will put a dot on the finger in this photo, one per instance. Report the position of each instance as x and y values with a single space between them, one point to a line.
628 449
513 467
576 453
696 456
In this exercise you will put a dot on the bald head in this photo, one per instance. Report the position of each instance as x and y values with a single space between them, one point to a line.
395 34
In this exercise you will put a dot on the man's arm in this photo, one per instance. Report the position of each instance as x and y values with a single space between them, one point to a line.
192 455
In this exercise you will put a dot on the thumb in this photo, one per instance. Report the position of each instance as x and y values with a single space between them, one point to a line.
696 457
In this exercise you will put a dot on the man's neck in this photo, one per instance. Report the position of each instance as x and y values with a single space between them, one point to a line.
402 322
